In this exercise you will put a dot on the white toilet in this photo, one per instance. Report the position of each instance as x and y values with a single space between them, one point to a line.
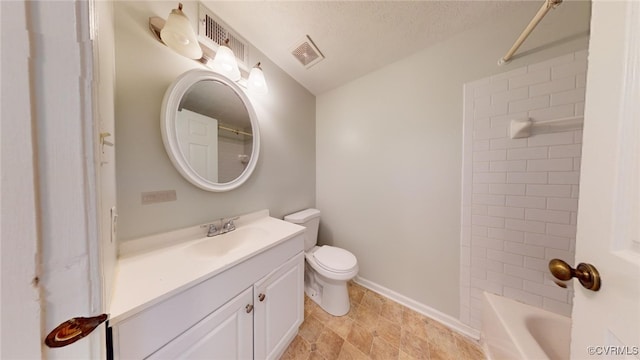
327 268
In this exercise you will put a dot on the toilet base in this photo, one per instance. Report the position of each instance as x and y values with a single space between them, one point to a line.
331 295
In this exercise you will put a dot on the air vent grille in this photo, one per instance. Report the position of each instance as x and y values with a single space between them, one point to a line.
306 52
212 30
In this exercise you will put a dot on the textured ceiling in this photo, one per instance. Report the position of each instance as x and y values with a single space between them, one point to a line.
356 37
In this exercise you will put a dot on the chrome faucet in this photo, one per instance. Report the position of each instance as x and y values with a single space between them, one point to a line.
228 225
212 230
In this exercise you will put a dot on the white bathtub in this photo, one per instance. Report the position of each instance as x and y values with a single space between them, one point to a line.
512 330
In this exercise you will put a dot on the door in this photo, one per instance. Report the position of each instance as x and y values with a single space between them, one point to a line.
279 302
198 140
607 323
227 333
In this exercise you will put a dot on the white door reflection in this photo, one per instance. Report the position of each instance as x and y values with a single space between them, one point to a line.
198 140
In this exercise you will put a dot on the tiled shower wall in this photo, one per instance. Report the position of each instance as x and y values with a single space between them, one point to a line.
520 196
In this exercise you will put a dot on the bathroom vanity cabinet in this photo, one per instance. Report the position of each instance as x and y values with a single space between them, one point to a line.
252 310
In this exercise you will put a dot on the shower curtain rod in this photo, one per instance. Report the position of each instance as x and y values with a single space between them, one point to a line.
544 9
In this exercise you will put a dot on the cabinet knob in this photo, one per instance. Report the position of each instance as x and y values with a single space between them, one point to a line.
249 308
261 297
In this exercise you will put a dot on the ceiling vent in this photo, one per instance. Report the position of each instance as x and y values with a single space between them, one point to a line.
213 32
306 52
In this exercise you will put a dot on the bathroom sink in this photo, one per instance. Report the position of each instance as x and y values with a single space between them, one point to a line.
221 245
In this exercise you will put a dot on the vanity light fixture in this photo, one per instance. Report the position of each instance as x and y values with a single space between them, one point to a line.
225 62
178 34
256 82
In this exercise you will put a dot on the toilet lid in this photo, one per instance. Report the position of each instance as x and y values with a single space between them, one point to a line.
335 259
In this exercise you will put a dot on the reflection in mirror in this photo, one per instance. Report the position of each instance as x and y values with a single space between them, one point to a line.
214 131
210 130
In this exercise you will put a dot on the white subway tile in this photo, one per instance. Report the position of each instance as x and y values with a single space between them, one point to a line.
565 177
568 97
471 86
507 189
565 151
487 264
526 201
576 164
481 102
574 218
553 292
527 178
483 166
507 258
549 190
568 256
488 243
481 145
490 286
523 249
478 251
506 212
550 165
529 104
581 80
490 155
525 225
465 235
490 133
505 280
465 276
482 123
575 191
509 165
581 55
564 59
552 113
532 77
523 296
478 274
505 120
541 265
510 95
480 188
557 307
528 153
489 178
523 273
577 136
547 241
478 230
479 209
570 69
552 216
553 86
482 199
489 221
561 138
579 109
491 87
504 234
465 255
491 110
561 230
507 143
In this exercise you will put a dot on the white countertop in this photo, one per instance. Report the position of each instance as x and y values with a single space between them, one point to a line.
145 278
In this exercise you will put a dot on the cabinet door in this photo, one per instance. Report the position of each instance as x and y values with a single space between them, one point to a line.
279 308
227 333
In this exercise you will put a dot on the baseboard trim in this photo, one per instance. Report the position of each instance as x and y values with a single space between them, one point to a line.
423 309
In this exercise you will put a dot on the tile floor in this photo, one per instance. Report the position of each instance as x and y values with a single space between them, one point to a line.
376 328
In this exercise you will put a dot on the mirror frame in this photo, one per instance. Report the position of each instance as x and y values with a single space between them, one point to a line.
170 104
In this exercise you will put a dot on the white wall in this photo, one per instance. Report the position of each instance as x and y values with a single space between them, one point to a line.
389 153
284 178
520 196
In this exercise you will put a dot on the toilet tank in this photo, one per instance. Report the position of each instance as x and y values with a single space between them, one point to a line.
309 218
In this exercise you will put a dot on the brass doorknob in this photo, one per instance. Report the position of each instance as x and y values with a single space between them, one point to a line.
587 274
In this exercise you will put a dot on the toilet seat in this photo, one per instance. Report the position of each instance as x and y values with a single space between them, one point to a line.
335 259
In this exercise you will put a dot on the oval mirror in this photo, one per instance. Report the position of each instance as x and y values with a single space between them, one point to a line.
210 130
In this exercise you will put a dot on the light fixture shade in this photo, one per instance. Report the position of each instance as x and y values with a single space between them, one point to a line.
256 82
178 34
225 63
